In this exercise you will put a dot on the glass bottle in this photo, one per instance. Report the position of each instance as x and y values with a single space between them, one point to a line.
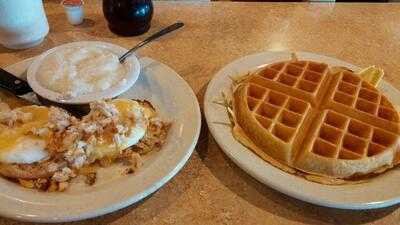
128 17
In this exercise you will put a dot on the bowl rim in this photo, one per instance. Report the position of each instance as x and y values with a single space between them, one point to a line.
112 92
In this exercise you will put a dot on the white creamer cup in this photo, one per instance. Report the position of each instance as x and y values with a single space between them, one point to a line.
23 23
74 13
133 71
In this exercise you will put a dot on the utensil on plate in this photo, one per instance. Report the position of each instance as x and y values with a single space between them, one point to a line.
160 33
13 84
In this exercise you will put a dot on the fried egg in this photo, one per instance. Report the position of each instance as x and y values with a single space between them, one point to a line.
17 142
20 145
137 127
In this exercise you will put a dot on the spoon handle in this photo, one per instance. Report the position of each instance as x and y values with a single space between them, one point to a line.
160 33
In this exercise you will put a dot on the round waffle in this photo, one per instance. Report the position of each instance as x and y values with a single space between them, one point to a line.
304 116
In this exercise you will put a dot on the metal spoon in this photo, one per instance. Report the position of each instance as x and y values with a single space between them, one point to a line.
160 33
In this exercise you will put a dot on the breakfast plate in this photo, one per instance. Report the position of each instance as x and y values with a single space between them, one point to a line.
174 100
378 192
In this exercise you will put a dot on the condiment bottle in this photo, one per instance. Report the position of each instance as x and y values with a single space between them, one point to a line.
128 17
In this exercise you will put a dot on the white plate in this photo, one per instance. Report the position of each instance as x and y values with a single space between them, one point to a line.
176 102
380 192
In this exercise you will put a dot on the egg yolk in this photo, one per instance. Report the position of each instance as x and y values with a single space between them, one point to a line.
107 147
9 136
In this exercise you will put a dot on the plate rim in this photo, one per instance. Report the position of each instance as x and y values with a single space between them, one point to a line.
251 171
133 198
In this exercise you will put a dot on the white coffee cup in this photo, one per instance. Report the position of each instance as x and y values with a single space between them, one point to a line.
23 23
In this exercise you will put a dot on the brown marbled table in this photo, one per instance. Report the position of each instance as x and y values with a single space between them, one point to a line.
211 189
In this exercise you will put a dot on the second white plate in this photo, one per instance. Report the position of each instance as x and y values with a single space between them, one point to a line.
380 192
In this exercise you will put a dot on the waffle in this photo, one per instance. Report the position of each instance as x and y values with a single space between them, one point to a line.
305 117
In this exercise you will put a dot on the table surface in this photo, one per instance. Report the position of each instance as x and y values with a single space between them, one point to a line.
211 189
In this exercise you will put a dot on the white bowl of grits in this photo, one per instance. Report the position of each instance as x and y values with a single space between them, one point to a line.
82 72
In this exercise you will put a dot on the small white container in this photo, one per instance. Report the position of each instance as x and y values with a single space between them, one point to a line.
75 14
133 71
